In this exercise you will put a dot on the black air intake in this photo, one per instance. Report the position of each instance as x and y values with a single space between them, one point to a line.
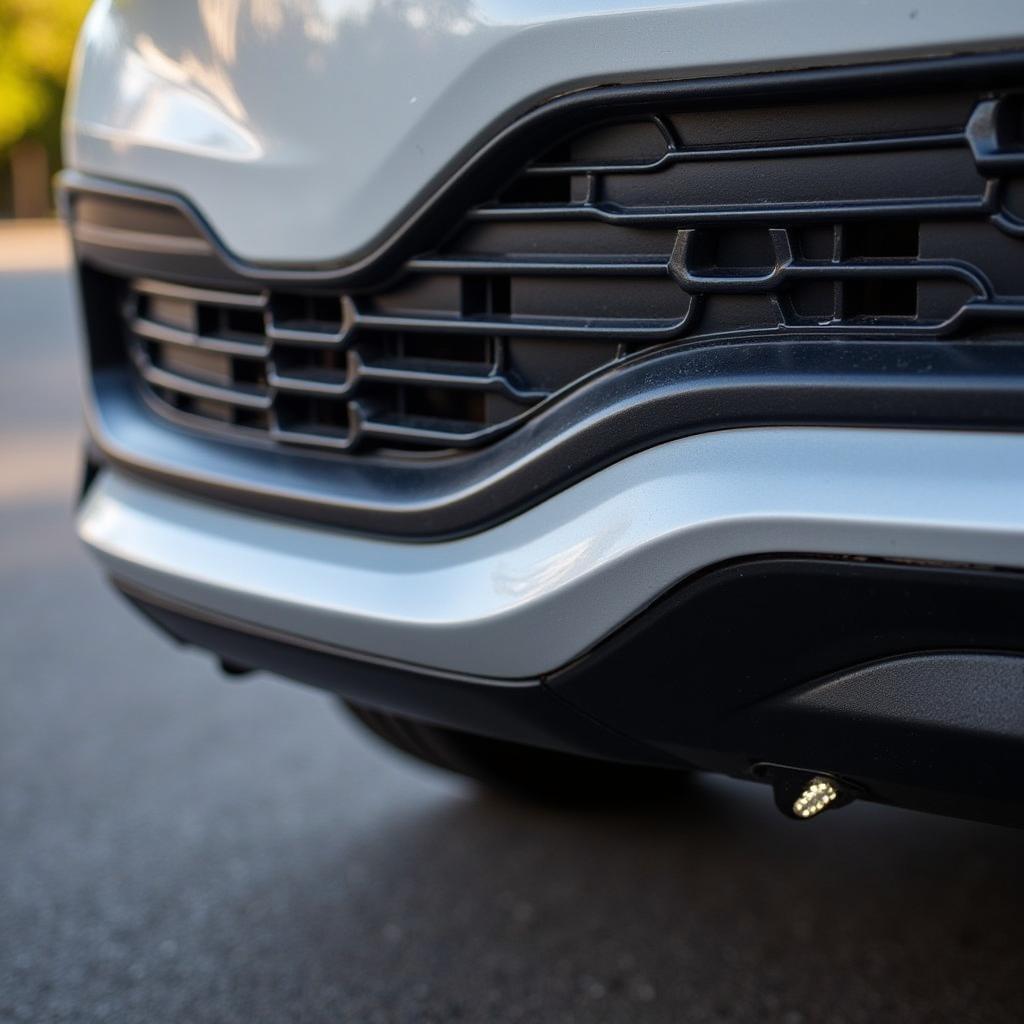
885 217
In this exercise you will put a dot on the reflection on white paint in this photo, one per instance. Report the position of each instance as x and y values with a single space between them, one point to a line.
182 105
523 581
303 109
220 19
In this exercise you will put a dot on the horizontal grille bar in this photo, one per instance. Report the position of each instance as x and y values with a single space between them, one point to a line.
236 396
153 331
622 267
213 297
651 331
952 207
897 217
750 152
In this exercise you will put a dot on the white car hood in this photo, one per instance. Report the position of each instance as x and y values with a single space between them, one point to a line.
306 131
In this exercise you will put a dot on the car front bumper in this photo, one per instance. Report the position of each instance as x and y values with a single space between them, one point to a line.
528 596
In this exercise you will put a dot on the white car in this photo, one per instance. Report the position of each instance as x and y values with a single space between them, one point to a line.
583 390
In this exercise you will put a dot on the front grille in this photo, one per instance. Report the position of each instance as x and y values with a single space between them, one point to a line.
895 217
317 370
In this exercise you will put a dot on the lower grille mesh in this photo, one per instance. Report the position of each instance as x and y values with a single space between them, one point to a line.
896 217
330 376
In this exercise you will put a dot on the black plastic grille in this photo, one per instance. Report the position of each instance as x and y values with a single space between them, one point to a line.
291 366
885 217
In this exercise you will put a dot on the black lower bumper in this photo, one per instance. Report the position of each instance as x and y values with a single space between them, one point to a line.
904 681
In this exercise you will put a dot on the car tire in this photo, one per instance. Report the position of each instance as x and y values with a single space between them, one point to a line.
535 773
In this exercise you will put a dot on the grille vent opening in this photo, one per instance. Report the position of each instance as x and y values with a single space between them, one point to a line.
879 298
240 323
171 311
851 219
450 348
734 249
301 417
880 239
531 190
317 314
449 407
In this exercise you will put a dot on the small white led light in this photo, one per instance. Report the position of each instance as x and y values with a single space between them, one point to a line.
815 798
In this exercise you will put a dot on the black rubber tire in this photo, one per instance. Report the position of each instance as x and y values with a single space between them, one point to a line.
516 769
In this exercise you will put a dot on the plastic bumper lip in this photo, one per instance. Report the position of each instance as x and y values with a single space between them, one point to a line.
528 596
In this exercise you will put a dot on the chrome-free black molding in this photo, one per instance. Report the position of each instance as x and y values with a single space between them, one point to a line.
755 661
685 391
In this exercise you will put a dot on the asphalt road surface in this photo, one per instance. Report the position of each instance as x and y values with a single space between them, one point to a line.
174 847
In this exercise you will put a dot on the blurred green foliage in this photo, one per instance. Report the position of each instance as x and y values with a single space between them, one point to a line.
37 39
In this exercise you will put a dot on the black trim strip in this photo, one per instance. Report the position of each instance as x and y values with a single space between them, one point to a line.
756 151
155 599
645 401
714 673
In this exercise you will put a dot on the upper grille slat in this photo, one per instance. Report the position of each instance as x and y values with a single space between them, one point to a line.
154 331
754 213
754 151
236 396
624 267
569 328
884 217
213 297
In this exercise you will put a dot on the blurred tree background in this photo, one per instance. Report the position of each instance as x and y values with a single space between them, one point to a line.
37 39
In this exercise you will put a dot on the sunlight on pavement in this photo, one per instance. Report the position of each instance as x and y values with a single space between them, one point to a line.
39 466
34 245
40 455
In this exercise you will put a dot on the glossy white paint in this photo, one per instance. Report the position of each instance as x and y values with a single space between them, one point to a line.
303 128
531 594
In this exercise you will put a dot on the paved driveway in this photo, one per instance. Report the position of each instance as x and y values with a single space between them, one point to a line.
177 848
